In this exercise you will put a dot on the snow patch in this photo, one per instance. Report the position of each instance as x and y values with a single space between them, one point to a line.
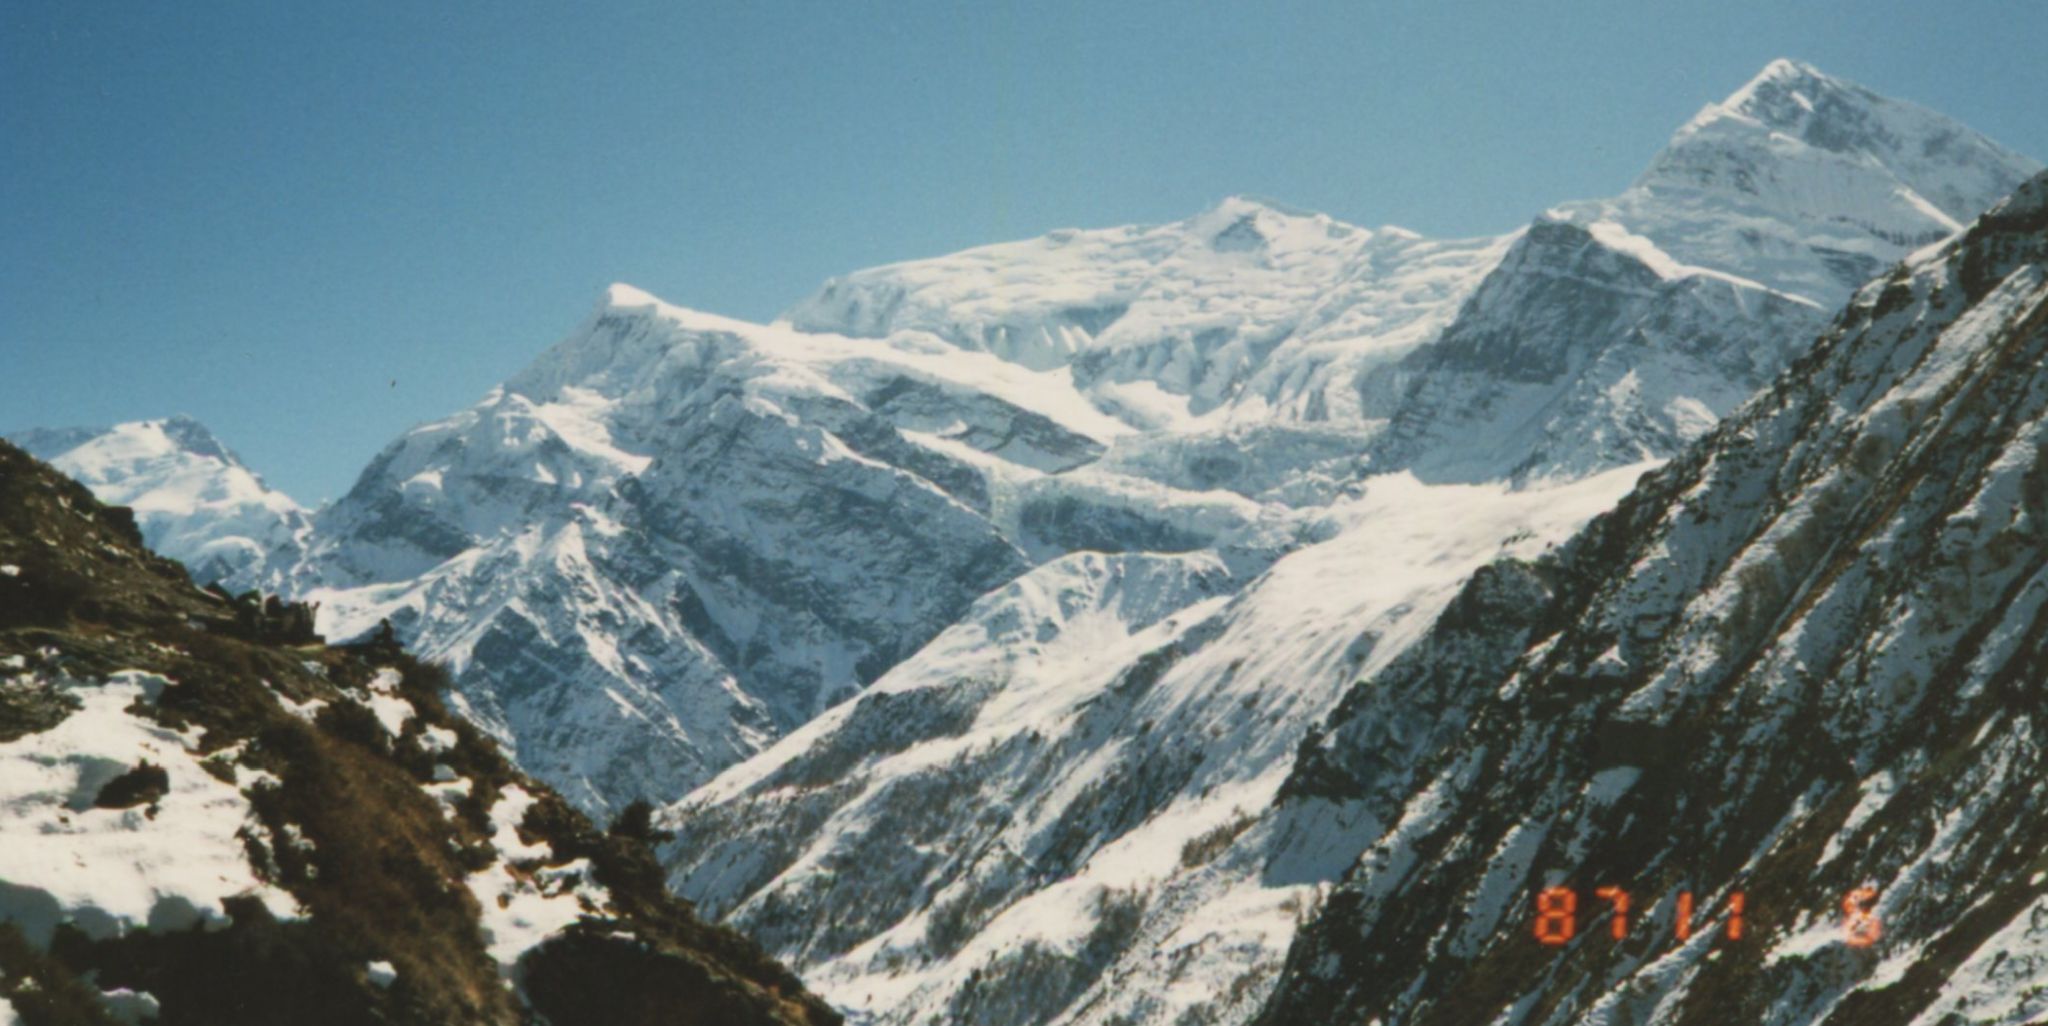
113 871
392 712
522 901
437 740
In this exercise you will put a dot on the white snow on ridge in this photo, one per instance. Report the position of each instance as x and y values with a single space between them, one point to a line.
1039 302
1047 391
781 360
1247 311
1618 238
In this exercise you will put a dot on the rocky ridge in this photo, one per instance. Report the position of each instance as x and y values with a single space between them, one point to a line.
1801 662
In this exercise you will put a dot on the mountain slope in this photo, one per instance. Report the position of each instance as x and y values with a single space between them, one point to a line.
1585 349
195 500
1799 662
1620 329
1009 826
676 537
212 818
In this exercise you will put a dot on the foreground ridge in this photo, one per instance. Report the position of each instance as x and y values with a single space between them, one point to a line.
210 817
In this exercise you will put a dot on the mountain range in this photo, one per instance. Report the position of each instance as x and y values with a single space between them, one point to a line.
1039 634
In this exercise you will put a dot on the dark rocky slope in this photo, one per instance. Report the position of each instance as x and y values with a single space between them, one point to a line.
1805 659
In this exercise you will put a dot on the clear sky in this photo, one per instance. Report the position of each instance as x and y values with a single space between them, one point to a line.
263 214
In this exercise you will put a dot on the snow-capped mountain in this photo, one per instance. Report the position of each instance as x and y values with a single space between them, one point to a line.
1003 588
1106 850
194 499
677 537
1803 663
1608 331
1619 329
1809 184
1269 312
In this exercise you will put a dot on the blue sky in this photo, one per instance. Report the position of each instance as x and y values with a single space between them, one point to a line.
263 214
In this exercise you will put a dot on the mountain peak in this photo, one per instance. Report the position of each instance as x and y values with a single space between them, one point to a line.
623 299
133 440
619 295
1804 105
1241 204
1244 222
1851 179
1784 72
1833 114
194 437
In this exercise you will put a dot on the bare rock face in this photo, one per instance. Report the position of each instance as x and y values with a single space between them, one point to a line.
1584 350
